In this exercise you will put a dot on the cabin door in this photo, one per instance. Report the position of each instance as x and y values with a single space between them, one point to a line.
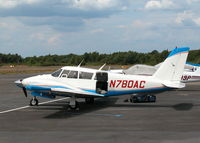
102 82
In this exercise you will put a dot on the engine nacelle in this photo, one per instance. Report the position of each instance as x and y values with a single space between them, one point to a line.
41 94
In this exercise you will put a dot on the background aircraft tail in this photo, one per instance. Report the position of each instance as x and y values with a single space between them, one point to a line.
197 70
171 70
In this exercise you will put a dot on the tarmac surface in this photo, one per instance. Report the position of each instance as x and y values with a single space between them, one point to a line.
174 118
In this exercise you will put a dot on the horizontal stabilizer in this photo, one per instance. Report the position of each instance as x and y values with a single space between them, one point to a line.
174 85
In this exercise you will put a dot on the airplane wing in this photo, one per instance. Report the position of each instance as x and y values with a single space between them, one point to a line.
75 91
63 90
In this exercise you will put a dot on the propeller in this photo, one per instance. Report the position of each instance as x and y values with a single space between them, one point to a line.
19 83
23 88
25 92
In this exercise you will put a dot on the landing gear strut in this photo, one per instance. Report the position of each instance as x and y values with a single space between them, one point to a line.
73 104
34 101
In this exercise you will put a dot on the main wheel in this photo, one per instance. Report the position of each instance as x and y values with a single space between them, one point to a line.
34 102
89 100
133 99
74 107
151 98
154 98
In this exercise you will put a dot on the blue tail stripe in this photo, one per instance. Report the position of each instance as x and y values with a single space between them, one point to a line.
179 50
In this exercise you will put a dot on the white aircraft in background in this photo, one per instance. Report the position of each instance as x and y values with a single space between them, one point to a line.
78 82
191 71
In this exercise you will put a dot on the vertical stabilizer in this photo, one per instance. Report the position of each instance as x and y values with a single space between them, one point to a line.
172 68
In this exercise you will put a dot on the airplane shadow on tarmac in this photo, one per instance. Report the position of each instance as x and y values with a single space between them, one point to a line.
63 112
180 106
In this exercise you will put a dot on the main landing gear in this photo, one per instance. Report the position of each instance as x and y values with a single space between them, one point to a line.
34 101
89 100
73 104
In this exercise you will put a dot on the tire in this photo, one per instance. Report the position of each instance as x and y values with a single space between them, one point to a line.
34 102
89 100
76 106
152 98
135 99
132 99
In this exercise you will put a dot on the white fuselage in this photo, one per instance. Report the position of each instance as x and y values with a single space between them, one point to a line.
115 84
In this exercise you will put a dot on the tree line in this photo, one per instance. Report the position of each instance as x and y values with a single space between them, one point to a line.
95 58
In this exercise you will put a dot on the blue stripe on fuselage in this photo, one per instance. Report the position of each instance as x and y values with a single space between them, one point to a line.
115 93
35 87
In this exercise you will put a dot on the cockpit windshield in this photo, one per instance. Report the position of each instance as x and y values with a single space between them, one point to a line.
65 73
56 73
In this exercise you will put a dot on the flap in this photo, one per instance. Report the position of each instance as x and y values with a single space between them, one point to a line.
74 92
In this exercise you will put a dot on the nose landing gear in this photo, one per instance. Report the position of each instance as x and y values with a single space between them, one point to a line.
34 101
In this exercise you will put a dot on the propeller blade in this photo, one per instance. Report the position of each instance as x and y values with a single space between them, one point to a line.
25 92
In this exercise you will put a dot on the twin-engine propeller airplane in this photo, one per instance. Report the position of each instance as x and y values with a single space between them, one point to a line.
78 82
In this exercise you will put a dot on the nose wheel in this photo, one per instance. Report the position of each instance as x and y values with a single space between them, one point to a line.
34 102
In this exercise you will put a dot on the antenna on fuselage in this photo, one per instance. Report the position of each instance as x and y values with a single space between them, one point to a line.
80 63
102 67
109 68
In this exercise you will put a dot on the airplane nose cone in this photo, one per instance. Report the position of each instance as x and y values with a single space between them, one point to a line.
19 83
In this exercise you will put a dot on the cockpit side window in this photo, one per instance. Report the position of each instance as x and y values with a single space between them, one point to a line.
56 73
85 75
73 74
65 73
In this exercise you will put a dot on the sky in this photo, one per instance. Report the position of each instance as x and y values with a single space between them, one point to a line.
41 27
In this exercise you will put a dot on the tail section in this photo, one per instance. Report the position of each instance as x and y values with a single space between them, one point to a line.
171 70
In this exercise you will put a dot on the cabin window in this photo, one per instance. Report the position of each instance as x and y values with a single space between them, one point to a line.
56 73
65 73
85 75
73 74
